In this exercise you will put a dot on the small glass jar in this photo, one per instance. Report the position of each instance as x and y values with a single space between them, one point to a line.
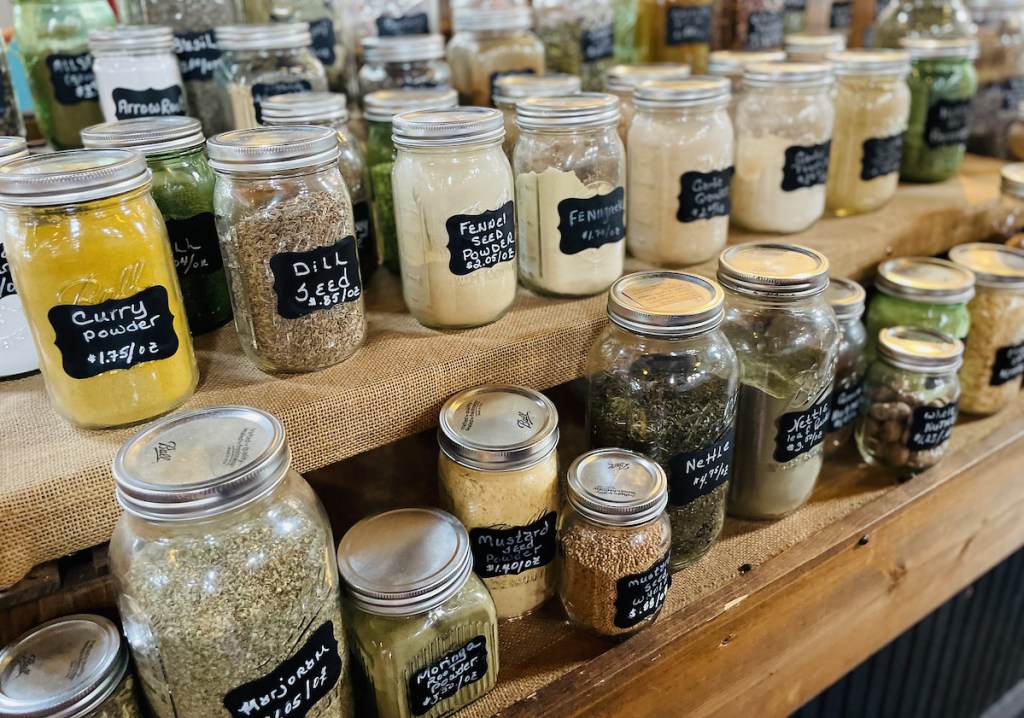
510 89
934 19
578 37
872 105
674 31
1005 218
409 61
942 83
498 470
17 354
812 48
421 625
11 122
783 138
570 173
90 257
287 233
680 171
787 340
615 542
224 558
753 25
732 64
622 81
846 298
1015 135
71 667
457 250
910 400
1000 67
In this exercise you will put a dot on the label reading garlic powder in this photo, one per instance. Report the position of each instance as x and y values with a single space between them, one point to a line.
881 157
704 195
592 222
806 166
480 241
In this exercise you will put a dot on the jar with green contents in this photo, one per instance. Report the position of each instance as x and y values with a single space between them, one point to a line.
942 84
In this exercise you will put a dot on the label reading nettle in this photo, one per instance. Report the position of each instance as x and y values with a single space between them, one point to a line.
841 16
698 473
881 157
479 241
704 195
1009 363
592 222
324 41
418 24
263 90
129 104
296 685
510 551
306 282
931 426
844 407
446 676
806 166
688 25
194 245
640 595
6 280
115 334
72 78
948 123
506 73
764 30
197 52
800 431
364 226
597 44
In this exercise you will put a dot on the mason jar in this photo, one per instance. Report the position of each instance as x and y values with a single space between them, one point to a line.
1005 218
578 37
1000 67
732 63
936 19
801 47
225 570
510 89
787 340
846 298
409 61
622 81
17 355
137 72
674 31
286 229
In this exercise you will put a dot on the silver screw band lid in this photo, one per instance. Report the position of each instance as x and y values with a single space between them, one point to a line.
771 269
148 135
846 297
920 350
457 126
383 105
141 39
924 279
586 109
616 487
305 108
994 265
667 304
624 78
71 177
262 149
402 48
275 36
510 88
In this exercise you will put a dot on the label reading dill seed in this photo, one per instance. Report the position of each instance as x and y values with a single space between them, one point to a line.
479 241
764 30
844 406
806 166
447 676
592 222
800 431
296 685
364 227
597 44
6 280
704 195
196 51
931 426
324 41
418 24
640 595
151 102
263 90
306 282
511 551
699 472
881 157
688 25
495 76
194 245
948 123
841 16
72 78
1008 365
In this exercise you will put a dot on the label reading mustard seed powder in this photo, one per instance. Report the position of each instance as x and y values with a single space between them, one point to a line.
151 102
263 90
446 676
881 157
6 280
197 52
324 41
592 222
1008 365
479 241
511 551
806 166
800 431
698 473
688 25
704 195
72 78
194 245
931 426
641 595
418 24
597 44
948 123
319 279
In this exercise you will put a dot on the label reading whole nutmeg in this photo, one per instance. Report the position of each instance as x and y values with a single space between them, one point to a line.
306 282
597 44
480 241
800 431
806 166
151 102
513 550
844 406
881 157
592 222
447 675
931 426
948 123
688 25
698 473
640 595
1008 365
704 195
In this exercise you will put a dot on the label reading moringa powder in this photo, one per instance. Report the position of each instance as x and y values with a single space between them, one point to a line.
704 195
129 104
688 25
592 222
806 166
640 595
418 24
931 426
72 78
800 431
6 280
764 30
197 52
881 157
844 406
261 91
510 551
597 44
324 41
698 473
1009 363
321 278
948 123
195 245
447 675
479 241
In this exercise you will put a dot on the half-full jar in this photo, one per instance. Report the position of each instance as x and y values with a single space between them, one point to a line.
847 300
812 48
421 625
674 31
224 558
1000 67
90 257
288 237
498 470
622 81
570 170
680 171
509 89
578 37
408 61
455 216
783 138
787 340
137 72
732 63
17 355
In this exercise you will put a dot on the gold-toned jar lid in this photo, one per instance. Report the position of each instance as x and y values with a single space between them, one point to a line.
617 487
994 265
383 105
664 303
731 63
920 350
509 88
772 269
71 177
624 78
699 90
922 48
148 135
846 297
870 63
926 280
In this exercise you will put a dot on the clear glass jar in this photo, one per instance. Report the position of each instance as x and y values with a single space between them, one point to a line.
509 89
622 81
680 171
11 123
287 233
498 471
846 298
787 340
457 250
732 63
1000 68
409 61
783 138
910 400
570 174
224 558
812 48
1005 218
17 354
90 257
872 105
614 539
674 31
752 25
928 19
578 37
1015 135
421 626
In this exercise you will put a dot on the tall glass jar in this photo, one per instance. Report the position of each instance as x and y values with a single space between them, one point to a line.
578 37
812 48
457 248
846 298
90 257
622 81
783 138
752 25
510 89
288 237
926 19
787 340
224 558
680 171
17 355
409 61
53 41
732 64
137 72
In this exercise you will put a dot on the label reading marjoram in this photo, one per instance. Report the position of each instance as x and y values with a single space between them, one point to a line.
129 104
881 157
510 551
806 166
447 675
798 432
1008 365
688 25
931 426
592 222
6 280
948 123
841 16
418 24
597 44
194 245
844 406
764 30
72 78
640 595
698 473
196 51
324 41
364 227
479 241
321 278
704 195
261 91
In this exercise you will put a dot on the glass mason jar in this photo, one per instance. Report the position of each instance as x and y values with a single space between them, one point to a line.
498 470
1000 68
614 540
421 625
409 61
90 257
680 171
663 382
53 41
1005 218
578 37
732 64
183 183
872 105
787 340
457 249
225 571
846 298
753 25
570 174
622 81
1015 135
929 19
942 84
510 89
674 31
910 400
11 123
783 138
17 354
287 233
812 48
71 667
994 357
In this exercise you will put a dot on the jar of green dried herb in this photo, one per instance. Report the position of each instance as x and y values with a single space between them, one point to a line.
847 300
663 382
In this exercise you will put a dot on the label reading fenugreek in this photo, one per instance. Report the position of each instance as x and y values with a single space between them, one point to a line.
698 473
261 91
841 15
881 156
151 102
324 41
764 30
800 431
197 52
194 245
597 44
931 426
512 550
948 123
418 24
6 280
446 676
592 222
641 595
306 282
844 406
806 166
72 78
704 195
1008 365
688 25
480 241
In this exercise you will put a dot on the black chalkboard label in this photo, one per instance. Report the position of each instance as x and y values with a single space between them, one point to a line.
296 685
510 551
1009 363
948 123
592 222
800 431
881 157
640 595
364 228
1012 92
931 426
796 5
197 52
698 473
844 406
418 24
496 75
72 78
704 195
324 41
263 90
6 280
841 16
479 241
447 675
764 30
195 245
806 166
597 44
688 25
151 102
115 334
307 282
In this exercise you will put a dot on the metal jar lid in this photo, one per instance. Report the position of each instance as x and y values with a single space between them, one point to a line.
870 63
731 63
788 74
926 280
846 297
201 463
624 78
12 148
62 669
404 562
383 105
1012 179
694 91
946 49
498 427
666 304
616 487
276 36
71 177
492 19
510 88
143 39
402 48
920 350
800 46
769 269
447 128
262 149
587 109
994 265
305 108
148 135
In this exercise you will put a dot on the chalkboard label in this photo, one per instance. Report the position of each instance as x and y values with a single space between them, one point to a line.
688 25
841 16
418 24
881 157
115 334
598 44
479 241
364 229
262 91
195 245
844 406
704 195
800 431
1009 363
72 78
948 123
1012 93
796 5
307 282
6 280
324 41
931 426
296 685
806 166
151 102
510 551
764 30
447 676
197 52
592 222
698 473
496 75
640 595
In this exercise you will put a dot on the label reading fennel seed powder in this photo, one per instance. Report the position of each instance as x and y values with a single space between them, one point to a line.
844 406
698 473
296 685
597 44
948 123
806 166
479 241
592 222
704 195
263 90
447 675
72 78
764 30
510 551
129 104
197 52
881 157
324 41
688 25
931 426
115 334
800 431
640 595
1008 365
6 280
194 245
418 24
306 282
841 16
